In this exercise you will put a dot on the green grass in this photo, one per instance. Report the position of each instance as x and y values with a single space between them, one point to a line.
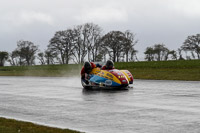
159 70
160 64
164 70
14 126
41 70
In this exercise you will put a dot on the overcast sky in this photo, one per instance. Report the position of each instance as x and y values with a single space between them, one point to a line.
153 21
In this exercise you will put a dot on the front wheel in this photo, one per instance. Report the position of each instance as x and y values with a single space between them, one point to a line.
85 86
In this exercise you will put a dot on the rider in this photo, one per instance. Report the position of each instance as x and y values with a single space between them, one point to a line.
109 65
86 69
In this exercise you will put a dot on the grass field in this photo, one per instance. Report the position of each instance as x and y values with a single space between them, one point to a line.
41 70
159 70
164 70
13 126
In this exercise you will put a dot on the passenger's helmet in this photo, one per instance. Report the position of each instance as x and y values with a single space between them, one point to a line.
87 67
109 64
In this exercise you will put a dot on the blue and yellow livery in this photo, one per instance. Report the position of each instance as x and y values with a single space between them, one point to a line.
109 78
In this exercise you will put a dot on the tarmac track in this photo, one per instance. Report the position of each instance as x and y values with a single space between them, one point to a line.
150 106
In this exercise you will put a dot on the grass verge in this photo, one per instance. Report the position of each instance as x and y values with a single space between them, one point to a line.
188 70
159 70
41 70
14 126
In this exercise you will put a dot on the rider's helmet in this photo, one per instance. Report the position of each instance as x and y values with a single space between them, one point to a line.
109 64
87 67
98 65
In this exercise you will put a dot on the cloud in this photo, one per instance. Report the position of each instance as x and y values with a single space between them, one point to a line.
27 18
31 17
189 8
103 14
168 21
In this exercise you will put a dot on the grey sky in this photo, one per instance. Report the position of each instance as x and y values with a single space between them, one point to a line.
153 21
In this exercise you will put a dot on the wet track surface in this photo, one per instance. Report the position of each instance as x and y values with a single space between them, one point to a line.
150 106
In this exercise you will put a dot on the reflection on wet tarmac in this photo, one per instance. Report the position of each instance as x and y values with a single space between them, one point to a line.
150 106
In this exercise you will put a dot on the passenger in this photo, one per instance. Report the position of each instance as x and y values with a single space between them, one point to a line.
86 69
109 65
98 65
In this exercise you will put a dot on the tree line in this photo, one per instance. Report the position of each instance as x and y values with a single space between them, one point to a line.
159 52
87 42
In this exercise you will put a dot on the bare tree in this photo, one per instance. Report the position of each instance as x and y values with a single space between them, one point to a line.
11 59
149 54
128 47
3 57
86 40
133 55
41 58
173 54
113 43
161 52
157 52
14 58
50 56
26 51
62 44
80 48
192 43
180 54
93 40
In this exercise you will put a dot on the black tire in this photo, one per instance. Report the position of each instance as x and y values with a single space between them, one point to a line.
85 86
